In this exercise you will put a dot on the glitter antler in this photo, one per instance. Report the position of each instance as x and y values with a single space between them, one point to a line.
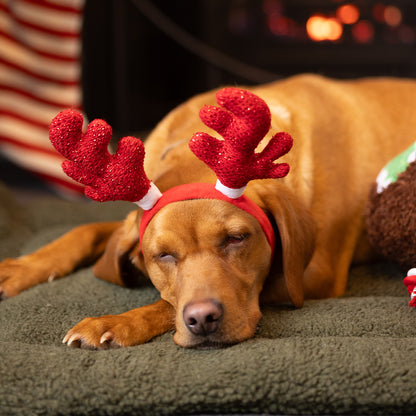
108 177
243 122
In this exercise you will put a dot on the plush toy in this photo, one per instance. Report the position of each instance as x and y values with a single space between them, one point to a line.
391 215
243 121
410 283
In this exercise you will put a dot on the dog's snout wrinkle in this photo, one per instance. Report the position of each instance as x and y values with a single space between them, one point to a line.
203 317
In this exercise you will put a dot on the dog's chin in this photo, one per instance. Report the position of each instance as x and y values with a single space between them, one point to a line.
202 343
211 345
218 340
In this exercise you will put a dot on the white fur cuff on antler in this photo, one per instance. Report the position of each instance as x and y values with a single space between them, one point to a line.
149 200
230 192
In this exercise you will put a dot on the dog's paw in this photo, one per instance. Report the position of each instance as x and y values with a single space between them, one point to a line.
15 276
109 331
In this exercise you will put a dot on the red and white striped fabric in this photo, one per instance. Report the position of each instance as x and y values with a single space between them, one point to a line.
40 47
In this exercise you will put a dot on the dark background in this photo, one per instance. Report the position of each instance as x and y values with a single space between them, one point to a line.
134 72
141 58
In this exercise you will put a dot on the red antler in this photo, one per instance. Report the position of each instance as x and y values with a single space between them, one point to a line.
243 126
108 177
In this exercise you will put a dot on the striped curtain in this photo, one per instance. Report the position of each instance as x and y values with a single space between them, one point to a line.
40 50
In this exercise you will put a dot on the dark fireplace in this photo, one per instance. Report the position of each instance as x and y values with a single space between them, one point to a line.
142 57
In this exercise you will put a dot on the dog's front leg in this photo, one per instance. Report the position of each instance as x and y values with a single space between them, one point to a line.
79 247
130 328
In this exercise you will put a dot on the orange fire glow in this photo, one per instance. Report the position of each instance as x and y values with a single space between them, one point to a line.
348 14
363 31
320 28
392 16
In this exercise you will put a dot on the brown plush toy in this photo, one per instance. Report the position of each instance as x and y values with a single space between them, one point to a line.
391 214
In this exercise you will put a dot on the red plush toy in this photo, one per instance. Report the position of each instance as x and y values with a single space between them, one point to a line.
410 283
243 122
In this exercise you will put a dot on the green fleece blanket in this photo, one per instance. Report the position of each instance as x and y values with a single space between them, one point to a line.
352 355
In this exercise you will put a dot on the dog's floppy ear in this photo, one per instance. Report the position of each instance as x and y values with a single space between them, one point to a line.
122 260
297 231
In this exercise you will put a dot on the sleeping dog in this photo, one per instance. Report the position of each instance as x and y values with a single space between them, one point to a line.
212 261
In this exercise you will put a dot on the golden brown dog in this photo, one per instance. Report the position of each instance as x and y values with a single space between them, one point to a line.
209 259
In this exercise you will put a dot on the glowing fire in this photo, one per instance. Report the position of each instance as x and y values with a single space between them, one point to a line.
321 28
348 14
392 16
363 31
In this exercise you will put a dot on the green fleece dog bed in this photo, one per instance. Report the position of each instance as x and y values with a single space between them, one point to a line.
352 355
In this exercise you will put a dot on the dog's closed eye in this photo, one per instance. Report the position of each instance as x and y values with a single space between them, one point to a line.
235 240
166 257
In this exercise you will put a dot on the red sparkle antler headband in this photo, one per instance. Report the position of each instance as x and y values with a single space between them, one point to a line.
107 177
242 122
243 126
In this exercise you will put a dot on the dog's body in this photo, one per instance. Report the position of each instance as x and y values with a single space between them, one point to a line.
210 260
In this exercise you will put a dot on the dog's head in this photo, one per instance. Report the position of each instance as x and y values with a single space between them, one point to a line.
211 260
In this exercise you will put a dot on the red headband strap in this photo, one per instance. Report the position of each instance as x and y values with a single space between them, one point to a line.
208 191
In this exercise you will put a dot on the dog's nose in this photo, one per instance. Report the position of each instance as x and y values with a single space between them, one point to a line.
204 317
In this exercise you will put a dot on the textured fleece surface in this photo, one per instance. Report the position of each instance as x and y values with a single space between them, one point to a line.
352 355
